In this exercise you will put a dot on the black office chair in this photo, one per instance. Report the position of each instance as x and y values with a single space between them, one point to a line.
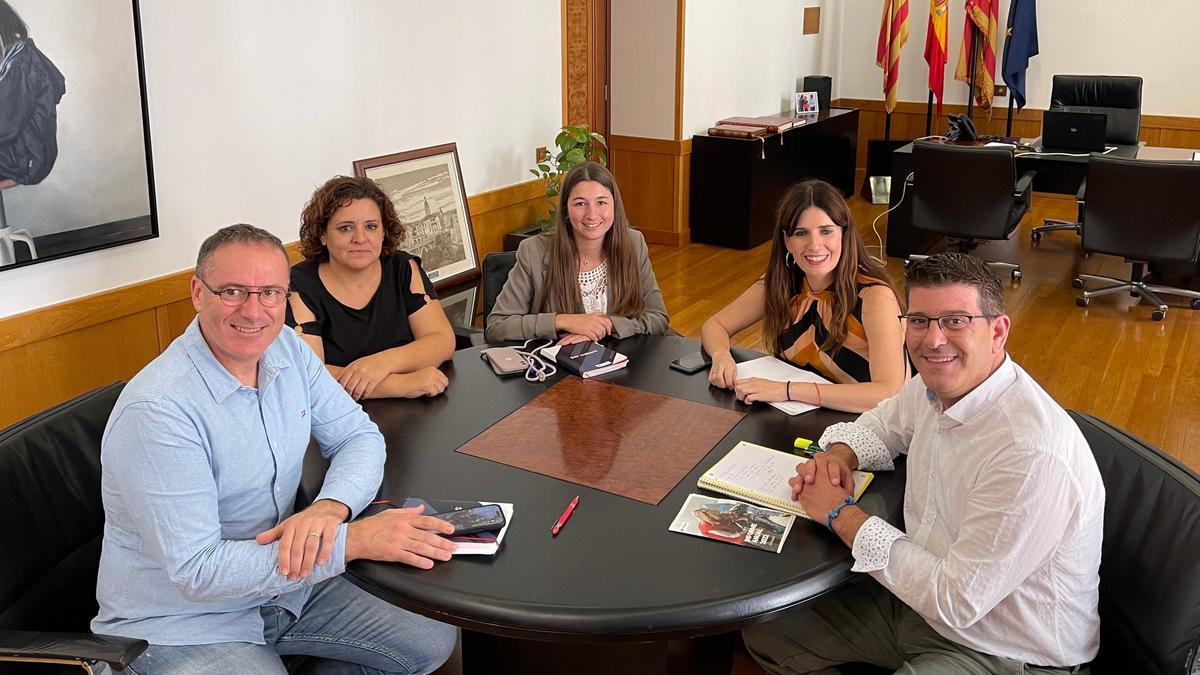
496 267
1145 212
1119 97
53 523
968 193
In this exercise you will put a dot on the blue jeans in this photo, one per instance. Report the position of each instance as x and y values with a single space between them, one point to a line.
346 628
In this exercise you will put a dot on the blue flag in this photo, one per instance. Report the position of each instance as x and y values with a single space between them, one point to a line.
1020 45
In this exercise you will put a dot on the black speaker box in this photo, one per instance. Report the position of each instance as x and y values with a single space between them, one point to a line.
823 85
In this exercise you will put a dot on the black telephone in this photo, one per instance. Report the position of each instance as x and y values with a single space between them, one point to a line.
961 129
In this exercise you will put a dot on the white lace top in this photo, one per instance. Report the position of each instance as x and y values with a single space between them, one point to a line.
593 286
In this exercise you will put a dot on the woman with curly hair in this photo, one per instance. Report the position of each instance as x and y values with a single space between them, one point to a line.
587 278
825 306
365 306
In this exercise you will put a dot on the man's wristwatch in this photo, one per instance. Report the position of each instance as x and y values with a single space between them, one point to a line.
833 513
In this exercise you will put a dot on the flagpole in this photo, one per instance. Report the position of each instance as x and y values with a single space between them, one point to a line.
1008 125
887 126
974 55
929 114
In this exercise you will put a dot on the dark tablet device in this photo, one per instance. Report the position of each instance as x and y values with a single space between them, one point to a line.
692 363
470 521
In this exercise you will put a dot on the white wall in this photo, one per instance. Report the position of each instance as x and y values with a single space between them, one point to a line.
99 130
745 58
1155 40
642 68
253 104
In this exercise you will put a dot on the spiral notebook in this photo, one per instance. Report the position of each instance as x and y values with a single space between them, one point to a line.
760 476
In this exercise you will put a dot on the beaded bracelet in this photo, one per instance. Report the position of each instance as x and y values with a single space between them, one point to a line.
838 509
787 387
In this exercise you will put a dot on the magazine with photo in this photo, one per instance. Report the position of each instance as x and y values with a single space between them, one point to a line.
733 522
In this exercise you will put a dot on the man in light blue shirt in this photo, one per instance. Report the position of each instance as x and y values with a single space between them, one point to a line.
204 556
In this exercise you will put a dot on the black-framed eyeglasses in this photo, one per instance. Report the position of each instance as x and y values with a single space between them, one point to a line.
236 296
950 323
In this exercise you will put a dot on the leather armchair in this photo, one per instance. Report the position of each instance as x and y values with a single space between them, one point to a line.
53 521
1119 97
1145 212
968 194
1149 570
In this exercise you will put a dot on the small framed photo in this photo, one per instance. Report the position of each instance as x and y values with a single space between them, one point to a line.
426 187
459 305
805 103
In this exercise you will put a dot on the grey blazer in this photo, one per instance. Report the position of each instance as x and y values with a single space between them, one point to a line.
515 315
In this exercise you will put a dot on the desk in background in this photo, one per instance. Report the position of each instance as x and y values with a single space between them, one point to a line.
1056 173
615 591
736 183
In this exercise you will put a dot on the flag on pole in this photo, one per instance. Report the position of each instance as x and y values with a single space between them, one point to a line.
982 18
1020 45
935 48
893 33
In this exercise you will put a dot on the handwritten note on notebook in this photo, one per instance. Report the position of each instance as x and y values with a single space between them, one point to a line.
771 368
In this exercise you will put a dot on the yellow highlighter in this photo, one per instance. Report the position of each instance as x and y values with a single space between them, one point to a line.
806 448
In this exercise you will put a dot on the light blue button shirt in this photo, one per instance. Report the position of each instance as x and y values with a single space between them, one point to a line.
195 464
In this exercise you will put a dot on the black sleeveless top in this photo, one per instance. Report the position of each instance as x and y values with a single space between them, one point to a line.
347 333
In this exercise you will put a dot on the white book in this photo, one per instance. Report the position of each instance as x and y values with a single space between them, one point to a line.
759 475
771 368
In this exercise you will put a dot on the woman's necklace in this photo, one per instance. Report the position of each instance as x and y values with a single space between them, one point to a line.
586 265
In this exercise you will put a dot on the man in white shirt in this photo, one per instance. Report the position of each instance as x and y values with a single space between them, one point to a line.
998 571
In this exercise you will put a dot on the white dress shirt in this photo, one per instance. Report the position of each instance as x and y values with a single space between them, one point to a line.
1004 507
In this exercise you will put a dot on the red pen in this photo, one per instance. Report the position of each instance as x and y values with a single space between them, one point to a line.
562 520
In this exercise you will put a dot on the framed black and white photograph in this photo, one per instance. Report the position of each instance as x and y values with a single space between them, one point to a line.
427 188
460 306
75 162
805 103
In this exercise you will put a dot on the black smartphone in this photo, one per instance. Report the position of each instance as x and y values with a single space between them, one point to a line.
478 519
692 363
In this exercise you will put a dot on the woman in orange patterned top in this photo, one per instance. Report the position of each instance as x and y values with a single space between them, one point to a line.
826 306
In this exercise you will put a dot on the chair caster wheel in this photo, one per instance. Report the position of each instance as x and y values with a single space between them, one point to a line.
1082 301
1016 275
1158 315
1077 282
1195 303
1035 236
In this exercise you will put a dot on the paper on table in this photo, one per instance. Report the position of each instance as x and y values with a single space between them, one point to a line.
771 368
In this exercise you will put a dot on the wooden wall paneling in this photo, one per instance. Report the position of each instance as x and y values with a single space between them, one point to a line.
649 173
498 212
49 371
172 319
908 121
680 14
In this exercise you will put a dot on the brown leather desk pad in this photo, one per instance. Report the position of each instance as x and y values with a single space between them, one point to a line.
624 441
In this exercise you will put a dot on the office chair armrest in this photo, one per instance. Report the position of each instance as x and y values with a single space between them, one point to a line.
1024 183
465 338
118 652
1081 193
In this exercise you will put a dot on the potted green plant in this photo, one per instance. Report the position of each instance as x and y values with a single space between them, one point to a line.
574 145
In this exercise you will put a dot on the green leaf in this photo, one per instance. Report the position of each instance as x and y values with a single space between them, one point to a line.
575 157
599 139
535 173
561 140
543 168
602 157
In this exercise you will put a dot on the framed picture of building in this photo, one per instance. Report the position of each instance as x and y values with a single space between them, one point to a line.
75 163
426 187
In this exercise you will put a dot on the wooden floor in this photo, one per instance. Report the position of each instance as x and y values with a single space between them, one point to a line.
1110 360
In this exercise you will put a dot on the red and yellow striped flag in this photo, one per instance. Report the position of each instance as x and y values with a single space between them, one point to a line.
982 16
893 33
935 48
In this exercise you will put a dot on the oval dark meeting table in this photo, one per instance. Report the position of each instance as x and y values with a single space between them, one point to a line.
615 574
